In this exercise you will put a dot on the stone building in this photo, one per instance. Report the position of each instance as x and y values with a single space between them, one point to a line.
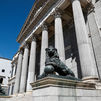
73 27
5 72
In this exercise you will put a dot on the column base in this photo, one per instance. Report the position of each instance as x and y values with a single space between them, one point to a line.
5 97
94 80
22 94
29 92
98 85
90 79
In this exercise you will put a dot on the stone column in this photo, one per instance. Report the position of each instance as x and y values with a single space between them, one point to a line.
87 67
14 70
24 69
59 40
31 71
10 89
44 45
18 72
96 40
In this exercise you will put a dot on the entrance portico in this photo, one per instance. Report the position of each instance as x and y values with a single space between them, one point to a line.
52 23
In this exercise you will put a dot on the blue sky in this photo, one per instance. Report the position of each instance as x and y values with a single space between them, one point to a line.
13 14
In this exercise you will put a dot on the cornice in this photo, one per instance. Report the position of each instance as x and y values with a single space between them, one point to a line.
37 4
5 58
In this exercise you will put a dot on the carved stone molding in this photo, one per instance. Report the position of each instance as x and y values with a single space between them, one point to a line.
44 26
34 38
90 8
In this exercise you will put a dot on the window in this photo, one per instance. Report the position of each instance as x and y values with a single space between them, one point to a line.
97 0
3 70
1 80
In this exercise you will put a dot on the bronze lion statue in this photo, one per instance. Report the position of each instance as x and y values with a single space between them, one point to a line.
54 66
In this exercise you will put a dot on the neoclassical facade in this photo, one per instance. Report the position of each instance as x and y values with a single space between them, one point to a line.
71 26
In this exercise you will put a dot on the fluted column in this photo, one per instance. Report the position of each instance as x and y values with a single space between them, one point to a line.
44 45
59 40
24 69
87 67
18 72
31 70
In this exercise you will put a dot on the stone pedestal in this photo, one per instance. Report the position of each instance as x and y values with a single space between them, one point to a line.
57 89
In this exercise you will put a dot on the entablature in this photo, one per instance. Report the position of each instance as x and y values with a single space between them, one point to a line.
39 14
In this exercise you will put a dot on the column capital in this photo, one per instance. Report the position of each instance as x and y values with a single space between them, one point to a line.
57 13
73 0
20 51
34 38
90 8
26 45
44 26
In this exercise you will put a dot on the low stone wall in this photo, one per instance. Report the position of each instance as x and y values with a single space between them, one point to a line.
20 97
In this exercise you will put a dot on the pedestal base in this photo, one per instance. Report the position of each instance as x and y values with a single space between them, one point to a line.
54 89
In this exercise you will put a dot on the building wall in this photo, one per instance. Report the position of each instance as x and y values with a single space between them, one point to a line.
5 70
